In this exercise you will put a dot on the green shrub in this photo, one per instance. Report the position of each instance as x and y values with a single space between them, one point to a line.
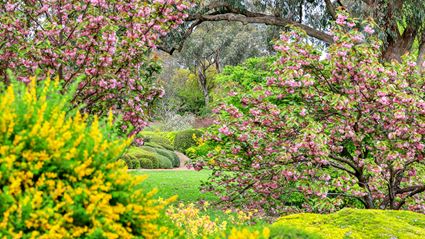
164 162
170 155
153 145
155 162
134 154
199 150
185 139
135 163
176 160
359 223
128 162
156 156
59 173
158 138
146 163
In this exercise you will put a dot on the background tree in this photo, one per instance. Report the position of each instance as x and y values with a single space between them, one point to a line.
400 22
217 45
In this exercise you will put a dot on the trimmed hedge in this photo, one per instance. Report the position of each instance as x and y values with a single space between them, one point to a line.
184 139
146 163
164 162
170 155
148 158
135 163
159 138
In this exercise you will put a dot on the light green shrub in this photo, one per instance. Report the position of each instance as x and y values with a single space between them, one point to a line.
135 163
153 145
145 163
158 138
185 139
164 162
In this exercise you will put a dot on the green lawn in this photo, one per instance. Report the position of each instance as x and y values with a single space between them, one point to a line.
184 183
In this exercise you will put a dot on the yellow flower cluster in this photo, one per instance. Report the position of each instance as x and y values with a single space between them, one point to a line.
59 177
195 223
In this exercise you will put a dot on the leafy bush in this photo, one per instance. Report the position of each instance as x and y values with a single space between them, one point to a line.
357 223
136 163
60 177
153 145
158 140
185 139
146 163
201 149
164 162
176 160
149 157
344 131
170 155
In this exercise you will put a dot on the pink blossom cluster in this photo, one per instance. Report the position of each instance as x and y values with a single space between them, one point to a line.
109 42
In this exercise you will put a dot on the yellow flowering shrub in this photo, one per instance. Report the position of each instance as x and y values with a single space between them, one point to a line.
59 177
195 223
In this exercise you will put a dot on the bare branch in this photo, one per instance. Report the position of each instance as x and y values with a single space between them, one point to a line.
226 12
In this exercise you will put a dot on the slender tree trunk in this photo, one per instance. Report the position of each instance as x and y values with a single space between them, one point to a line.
203 84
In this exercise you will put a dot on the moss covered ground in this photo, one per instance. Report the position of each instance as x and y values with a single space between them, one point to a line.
356 224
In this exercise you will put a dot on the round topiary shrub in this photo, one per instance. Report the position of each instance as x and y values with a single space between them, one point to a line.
136 163
186 139
164 162
146 163
60 177
137 153
155 162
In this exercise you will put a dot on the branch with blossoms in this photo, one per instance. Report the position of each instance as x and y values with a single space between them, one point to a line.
342 130
108 42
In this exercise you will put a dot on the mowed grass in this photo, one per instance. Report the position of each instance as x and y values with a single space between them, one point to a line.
183 183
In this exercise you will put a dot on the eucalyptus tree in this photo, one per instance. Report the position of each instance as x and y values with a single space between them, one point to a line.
400 23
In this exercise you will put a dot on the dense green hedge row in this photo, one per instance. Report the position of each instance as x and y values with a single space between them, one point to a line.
150 157
158 149
175 140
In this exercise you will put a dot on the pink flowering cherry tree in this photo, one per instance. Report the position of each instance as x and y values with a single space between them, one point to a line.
341 128
107 41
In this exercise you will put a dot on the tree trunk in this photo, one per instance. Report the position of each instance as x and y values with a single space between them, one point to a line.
399 45
203 84
421 55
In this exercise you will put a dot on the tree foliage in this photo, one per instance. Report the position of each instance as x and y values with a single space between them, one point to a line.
345 130
107 41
